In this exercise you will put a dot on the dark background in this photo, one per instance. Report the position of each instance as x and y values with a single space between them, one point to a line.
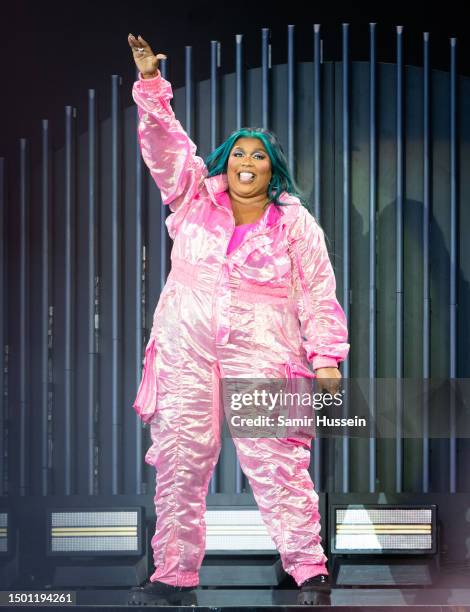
53 52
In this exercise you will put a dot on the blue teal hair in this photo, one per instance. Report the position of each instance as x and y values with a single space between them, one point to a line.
281 179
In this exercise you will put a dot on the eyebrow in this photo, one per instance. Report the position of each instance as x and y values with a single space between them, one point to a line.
255 151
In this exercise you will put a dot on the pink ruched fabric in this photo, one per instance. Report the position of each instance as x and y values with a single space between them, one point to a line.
265 308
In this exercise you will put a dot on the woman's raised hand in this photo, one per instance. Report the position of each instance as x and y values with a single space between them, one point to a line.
145 59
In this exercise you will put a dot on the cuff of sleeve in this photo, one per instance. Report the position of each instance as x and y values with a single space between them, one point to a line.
321 361
150 84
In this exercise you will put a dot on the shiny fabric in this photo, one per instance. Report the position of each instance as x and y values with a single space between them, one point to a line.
268 309
238 236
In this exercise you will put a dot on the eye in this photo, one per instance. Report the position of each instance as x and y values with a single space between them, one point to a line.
259 156
237 153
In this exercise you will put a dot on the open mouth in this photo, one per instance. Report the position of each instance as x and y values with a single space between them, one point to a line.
246 177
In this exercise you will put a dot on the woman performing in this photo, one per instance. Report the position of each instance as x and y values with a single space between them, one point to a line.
251 294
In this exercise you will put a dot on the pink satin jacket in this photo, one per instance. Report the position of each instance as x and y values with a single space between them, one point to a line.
283 255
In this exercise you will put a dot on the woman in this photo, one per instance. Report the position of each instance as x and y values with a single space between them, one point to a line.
251 294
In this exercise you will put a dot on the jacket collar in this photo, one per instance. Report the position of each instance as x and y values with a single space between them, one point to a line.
218 184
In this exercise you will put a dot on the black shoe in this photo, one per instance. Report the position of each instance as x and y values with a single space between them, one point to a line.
153 593
315 591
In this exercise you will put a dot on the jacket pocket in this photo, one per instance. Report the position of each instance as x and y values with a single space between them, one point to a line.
299 381
146 401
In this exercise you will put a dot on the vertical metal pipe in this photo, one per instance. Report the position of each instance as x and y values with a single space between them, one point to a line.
93 306
372 259
453 263
239 79
69 298
188 89
290 97
24 340
239 476
265 67
317 447
317 124
426 292
116 288
214 108
399 262
45 297
346 205
214 94
3 310
163 67
140 293
164 209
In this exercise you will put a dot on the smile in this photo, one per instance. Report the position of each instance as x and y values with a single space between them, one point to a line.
246 177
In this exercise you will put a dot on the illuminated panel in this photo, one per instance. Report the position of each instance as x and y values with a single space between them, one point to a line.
3 532
384 529
95 532
237 530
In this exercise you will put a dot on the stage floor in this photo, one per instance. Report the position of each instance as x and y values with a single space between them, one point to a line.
450 591
286 598
452 598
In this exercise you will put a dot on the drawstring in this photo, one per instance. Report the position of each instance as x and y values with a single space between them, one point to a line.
216 413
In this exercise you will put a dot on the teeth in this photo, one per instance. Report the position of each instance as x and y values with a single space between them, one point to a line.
246 176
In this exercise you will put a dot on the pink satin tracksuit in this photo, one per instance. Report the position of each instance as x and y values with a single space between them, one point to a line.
267 309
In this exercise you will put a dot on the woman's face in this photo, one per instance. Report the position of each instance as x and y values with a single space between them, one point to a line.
248 168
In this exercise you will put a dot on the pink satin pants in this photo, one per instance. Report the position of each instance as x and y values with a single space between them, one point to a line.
186 427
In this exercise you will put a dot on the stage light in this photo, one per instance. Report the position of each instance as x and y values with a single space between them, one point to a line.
9 549
381 529
4 540
97 546
383 545
237 530
240 551
96 532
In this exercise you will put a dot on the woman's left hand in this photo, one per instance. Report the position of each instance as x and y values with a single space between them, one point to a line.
328 379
